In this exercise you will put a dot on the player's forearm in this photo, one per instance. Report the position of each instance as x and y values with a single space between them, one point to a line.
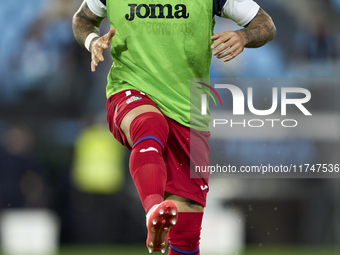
84 23
259 31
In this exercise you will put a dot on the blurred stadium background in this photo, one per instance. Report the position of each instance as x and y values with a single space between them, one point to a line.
65 181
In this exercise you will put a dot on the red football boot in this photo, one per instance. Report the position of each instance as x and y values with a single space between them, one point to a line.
160 219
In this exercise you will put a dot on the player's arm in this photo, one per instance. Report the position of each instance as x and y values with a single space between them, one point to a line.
258 29
84 23
86 30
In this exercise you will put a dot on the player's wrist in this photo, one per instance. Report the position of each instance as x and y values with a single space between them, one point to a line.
243 36
89 39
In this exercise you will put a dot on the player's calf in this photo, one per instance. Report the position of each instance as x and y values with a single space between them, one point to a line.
184 237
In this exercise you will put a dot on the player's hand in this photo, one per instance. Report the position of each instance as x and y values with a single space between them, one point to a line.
228 44
98 45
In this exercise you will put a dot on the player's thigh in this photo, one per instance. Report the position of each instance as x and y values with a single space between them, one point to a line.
184 204
129 117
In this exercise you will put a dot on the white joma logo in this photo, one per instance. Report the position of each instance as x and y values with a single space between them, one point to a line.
148 149
204 187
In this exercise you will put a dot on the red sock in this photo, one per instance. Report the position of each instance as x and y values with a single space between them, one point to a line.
149 133
184 237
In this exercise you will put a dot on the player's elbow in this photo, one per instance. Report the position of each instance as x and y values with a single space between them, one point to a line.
74 20
271 30
78 22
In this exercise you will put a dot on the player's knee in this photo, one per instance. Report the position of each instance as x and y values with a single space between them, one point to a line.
185 235
149 128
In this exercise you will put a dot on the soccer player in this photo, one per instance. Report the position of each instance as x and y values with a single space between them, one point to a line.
157 47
